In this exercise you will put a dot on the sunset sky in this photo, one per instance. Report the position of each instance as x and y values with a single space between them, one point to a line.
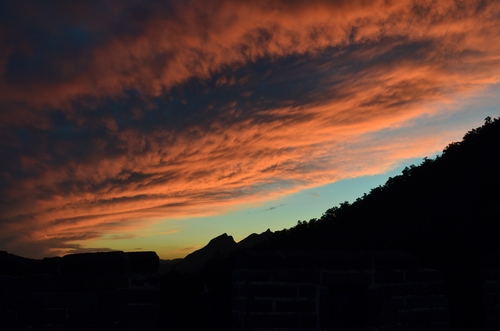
158 125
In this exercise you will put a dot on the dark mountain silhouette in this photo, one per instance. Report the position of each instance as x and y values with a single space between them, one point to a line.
447 204
219 247
255 239
16 265
445 211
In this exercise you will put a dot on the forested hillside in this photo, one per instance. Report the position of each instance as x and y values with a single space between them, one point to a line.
444 211
450 203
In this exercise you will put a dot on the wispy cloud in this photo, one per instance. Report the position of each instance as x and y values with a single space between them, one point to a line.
120 236
116 113
275 207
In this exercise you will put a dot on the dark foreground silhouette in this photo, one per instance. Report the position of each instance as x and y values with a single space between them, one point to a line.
445 212
93 291
418 253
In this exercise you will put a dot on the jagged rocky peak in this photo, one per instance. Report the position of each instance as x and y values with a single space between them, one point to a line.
222 239
221 245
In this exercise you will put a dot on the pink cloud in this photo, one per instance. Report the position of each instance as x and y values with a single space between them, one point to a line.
374 67
197 38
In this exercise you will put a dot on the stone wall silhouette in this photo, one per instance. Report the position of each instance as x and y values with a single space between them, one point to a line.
92 291
311 290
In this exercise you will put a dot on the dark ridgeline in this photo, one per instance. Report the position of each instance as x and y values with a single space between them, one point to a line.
91 291
449 204
220 246
444 212
418 253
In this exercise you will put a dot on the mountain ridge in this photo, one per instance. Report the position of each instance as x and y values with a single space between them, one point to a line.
445 212
445 204
220 246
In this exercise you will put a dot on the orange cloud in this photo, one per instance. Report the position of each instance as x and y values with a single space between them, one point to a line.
199 106
174 43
